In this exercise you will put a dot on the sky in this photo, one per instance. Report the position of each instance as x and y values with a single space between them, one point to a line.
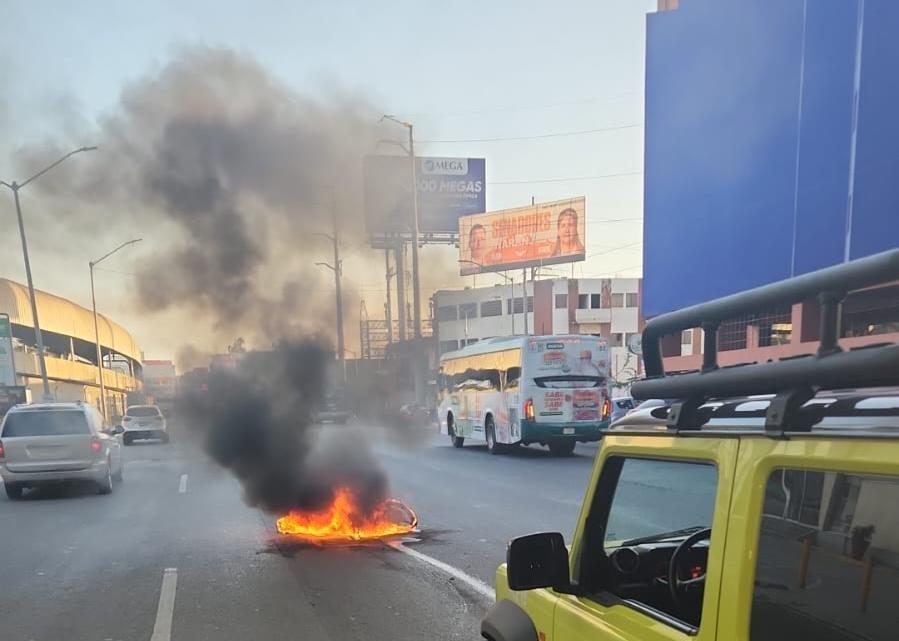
458 71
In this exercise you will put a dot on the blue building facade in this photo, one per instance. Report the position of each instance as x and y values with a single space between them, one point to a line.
772 142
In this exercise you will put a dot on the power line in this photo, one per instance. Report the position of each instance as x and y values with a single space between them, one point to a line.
613 272
614 220
609 251
534 137
564 180
520 107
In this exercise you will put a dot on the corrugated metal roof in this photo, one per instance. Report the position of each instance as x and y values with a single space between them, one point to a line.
62 316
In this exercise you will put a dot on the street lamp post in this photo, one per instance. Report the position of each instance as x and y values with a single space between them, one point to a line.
93 264
416 291
38 337
337 268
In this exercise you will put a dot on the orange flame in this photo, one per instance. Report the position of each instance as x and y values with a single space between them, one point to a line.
344 520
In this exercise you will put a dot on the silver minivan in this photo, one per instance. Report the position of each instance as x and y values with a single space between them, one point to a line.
52 442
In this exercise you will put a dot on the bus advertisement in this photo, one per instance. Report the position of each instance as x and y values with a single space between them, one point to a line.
552 390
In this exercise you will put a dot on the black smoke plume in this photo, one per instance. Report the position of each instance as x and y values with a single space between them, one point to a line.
259 419
231 177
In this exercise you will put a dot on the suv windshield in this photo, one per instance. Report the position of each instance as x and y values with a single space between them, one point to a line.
142 412
45 423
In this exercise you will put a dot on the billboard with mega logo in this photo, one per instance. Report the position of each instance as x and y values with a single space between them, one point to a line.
447 189
541 234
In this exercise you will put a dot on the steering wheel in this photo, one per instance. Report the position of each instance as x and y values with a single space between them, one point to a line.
676 585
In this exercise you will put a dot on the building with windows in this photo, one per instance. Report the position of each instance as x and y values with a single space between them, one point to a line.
70 349
607 307
770 152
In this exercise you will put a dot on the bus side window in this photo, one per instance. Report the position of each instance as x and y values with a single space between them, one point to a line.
491 379
513 376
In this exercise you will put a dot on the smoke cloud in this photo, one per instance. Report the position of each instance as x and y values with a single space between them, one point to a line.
258 417
234 181
231 178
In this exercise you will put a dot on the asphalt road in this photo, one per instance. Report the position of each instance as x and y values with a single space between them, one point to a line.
82 566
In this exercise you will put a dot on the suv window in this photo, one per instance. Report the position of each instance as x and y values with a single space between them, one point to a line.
828 558
654 496
654 506
142 412
45 423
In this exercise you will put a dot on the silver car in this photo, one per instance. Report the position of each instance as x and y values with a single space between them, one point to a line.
621 406
52 442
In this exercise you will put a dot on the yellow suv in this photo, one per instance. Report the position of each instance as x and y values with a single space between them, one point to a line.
763 505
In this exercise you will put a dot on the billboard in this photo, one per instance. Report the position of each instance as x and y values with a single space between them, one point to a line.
7 364
447 189
541 234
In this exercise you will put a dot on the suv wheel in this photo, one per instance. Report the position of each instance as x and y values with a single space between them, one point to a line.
562 447
490 433
127 439
13 491
105 486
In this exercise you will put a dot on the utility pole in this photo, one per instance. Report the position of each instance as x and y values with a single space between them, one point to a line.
338 272
416 290
388 311
524 297
511 282
400 262
524 288
337 268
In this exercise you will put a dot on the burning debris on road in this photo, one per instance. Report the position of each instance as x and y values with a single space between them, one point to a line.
258 415
343 520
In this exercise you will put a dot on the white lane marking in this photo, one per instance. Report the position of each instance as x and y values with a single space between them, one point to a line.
475 584
182 485
162 630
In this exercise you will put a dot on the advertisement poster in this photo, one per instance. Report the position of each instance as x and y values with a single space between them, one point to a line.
541 234
7 364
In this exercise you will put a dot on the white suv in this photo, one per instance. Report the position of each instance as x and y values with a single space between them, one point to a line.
52 442
144 421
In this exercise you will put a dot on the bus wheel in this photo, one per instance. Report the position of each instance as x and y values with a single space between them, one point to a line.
490 431
562 447
457 441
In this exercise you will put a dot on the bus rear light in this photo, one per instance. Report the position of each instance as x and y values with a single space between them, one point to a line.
529 409
606 409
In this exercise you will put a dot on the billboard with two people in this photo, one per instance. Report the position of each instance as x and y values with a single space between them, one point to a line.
541 234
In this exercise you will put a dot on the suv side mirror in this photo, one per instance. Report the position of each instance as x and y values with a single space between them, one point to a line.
538 561
117 429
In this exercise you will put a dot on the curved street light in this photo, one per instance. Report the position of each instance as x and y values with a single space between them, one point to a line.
39 338
93 264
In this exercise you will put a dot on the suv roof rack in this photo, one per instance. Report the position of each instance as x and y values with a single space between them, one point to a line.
793 380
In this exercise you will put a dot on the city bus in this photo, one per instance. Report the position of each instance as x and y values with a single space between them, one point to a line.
551 390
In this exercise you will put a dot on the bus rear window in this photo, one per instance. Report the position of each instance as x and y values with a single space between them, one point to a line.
569 381
45 423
